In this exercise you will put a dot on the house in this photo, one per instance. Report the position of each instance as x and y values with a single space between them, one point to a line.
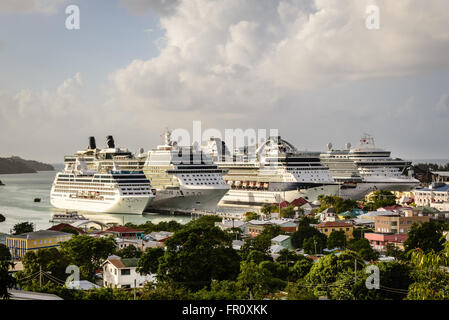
397 223
308 207
287 225
123 232
18 245
436 195
255 227
121 273
379 241
61 226
237 244
328 215
226 224
283 240
328 227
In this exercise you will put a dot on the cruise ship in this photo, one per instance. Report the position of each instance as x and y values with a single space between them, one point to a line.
184 178
108 157
367 168
277 172
108 191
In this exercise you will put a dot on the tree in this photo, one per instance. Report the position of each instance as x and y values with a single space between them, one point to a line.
336 239
426 236
5 254
165 290
393 251
23 227
251 216
431 280
325 271
7 281
314 245
129 252
149 261
339 204
255 279
88 253
305 231
221 290
300 291
379 199
197 254
287 212
50 260
363 248
300 269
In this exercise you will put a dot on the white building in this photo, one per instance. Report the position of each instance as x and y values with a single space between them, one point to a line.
437 195
121 273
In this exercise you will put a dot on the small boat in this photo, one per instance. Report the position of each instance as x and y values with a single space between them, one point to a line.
67 217
37 199
1 183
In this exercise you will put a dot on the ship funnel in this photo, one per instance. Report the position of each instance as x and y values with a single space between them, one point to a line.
110 142
329 146
348 146
92 144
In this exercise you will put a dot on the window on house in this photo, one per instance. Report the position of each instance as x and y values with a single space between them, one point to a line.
125 272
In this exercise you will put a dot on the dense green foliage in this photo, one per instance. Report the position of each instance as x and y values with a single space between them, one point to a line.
305 231
22 227
339 204
337 239
426 236
380 199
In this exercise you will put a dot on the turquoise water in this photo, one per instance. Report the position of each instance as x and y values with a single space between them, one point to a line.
17 205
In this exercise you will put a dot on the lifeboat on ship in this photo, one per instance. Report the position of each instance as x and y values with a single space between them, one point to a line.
265 185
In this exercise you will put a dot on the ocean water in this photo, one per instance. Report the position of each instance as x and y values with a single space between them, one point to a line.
17 204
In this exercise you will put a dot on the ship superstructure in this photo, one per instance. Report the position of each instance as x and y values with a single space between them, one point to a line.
184 178
367 168
276 172
110 191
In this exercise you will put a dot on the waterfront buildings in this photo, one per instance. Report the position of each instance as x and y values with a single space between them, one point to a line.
397 223
18 245
121 273
328 227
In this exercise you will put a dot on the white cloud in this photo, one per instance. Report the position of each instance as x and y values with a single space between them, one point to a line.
31 6
162 7
242 56
442 106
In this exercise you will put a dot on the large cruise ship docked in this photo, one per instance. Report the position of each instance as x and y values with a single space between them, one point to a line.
185 179
109 191
367 168
278 172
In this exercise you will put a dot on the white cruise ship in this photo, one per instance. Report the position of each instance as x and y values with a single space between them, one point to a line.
367 168
185 179
109 191
278 172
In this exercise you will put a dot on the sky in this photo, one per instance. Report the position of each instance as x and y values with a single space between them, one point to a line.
309 68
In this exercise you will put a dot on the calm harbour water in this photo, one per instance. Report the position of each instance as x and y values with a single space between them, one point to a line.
17 205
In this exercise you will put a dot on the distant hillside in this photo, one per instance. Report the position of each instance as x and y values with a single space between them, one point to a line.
19 165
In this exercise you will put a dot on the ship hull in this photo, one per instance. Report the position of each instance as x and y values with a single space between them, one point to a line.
122 205
363 188
171 200
245 198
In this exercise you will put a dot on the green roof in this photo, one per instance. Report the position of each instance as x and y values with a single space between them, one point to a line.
130 262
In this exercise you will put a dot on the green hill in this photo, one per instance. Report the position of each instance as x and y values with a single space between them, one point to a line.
19 165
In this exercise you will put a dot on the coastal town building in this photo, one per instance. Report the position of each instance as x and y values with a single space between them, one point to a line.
121 273
328 227
123 232
282 240
397 223
18 245
379 241
255 227
436 196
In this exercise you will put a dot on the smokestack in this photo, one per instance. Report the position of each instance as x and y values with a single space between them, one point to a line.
92 144
110 142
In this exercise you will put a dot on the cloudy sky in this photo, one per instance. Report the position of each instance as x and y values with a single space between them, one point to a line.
310 68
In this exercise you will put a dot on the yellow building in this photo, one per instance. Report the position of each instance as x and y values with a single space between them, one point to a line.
32 241
328 227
